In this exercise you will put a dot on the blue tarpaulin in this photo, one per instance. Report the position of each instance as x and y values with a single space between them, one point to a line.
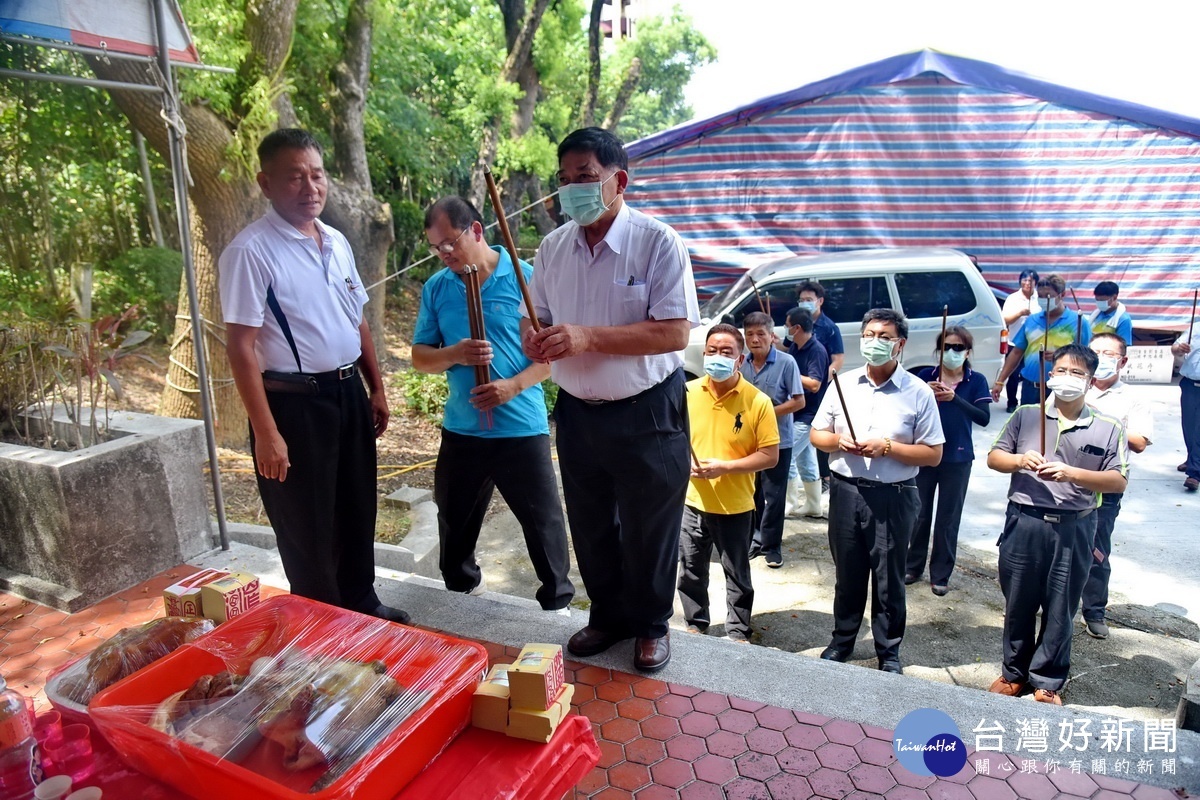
929 149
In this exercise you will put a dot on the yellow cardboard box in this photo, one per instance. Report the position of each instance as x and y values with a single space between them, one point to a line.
536 677
539 726
489 705
226 597
183 599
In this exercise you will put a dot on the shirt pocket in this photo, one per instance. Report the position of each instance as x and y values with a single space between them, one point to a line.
628 303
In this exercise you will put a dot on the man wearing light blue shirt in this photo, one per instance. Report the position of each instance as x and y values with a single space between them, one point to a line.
494 435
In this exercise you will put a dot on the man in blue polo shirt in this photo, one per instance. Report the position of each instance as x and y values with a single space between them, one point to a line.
494 435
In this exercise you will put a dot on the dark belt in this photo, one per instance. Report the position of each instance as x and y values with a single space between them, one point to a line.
1051 515
306 382
864 483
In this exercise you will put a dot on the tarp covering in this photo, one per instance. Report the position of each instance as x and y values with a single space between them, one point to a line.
885 156
123 26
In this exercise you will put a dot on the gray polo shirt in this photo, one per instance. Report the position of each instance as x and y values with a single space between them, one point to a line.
902 408
1094 442
779 379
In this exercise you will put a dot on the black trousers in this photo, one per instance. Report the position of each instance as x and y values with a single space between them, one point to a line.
770 497
625 469
1095 591
730 534
822 463
1011 385
324 513
468 469
949 482
1043 567
868 538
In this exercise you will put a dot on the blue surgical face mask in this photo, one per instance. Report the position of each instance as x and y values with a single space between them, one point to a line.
876 352
952 359
1106 369
584 202
808 305
719 367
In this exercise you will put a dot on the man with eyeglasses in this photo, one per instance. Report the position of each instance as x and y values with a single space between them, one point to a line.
873 494
495 435
1050 523
614 292
1110 396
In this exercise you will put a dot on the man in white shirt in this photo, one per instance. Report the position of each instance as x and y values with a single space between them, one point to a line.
1189 406
292 301
614 292
873 495
1108 395
1019 305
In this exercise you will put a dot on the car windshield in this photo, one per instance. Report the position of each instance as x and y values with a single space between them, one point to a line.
712 307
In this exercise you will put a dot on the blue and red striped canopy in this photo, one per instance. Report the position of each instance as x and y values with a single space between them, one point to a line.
928 149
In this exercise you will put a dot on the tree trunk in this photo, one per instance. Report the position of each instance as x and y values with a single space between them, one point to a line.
593 87
623 94
352 206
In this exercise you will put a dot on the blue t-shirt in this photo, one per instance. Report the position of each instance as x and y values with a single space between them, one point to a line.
442 321
956 425
779 379
828 334
1032 338
813 362
1115 320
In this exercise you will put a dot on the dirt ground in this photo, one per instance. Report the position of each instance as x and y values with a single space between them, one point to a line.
956 639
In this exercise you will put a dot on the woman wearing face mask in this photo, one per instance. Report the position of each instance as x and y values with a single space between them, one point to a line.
963 400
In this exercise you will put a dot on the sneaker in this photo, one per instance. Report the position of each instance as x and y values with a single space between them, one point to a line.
1047 696
1011 408
755 552
479 589
824 485
565 611
1096 628
1004 686
940 589
774 561
1191 484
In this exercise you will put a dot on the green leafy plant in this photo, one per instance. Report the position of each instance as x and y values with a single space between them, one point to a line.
550 391
424 394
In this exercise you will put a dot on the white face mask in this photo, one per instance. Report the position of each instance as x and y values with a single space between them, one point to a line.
1102 307
1106 369
1067 387
952 359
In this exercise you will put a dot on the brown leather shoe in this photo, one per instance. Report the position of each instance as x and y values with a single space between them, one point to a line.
651 655
591 641
1004 686
1182 467
1047 696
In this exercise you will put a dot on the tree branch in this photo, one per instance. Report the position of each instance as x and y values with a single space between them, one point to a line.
523 46
623 94
593 87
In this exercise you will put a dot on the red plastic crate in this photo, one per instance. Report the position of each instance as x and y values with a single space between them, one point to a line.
446 669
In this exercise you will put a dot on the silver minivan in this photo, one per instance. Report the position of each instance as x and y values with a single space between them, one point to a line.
917 281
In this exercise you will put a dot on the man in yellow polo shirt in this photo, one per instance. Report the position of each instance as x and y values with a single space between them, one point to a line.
734 435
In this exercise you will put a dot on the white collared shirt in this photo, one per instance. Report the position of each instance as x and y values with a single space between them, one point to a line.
901 408
639 271
319 291
1123 403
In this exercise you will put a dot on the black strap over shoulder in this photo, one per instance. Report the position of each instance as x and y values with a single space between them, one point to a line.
273 304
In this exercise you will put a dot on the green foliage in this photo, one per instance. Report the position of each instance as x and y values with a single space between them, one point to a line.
550 392
147 277
424 394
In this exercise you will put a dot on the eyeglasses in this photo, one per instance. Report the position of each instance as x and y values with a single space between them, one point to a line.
446 248
1108 353
958 348
1075 373
882 338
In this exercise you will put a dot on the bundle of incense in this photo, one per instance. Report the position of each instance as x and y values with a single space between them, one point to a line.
483 373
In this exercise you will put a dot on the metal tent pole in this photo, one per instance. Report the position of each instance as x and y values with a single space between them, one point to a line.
179 172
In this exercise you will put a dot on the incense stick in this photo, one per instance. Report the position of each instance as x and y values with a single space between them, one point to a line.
511 246
1192 324
942 346
761 305
1078 316
845 411
1042 381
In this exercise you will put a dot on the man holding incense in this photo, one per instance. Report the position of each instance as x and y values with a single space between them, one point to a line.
495 434
1060 461
880 425
1188 347
614 294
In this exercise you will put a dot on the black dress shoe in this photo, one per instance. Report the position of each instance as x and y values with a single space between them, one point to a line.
591 641
839 654
910 578
890 665
651 655
755 552
391 614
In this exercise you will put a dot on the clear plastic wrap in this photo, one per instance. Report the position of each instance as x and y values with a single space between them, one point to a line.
294 699
72 687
